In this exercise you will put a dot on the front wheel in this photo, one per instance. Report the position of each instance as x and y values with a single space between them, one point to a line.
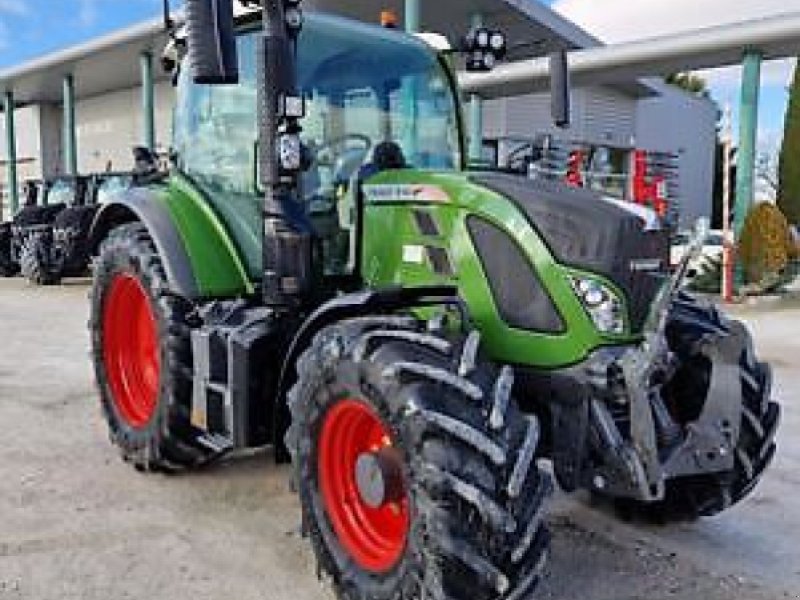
34 259
8 267
142 355
416 472
689 498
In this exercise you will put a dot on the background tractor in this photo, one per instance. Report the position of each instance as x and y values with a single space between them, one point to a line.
55 247
48 239
320 272
44 201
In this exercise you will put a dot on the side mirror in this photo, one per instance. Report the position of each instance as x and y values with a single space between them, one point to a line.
560 90
212 41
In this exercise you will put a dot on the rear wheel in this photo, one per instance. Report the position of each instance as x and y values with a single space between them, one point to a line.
142 355
416 472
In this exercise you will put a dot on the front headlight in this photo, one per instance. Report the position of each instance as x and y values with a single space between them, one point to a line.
602 303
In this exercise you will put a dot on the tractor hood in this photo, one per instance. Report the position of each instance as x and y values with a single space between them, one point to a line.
586 231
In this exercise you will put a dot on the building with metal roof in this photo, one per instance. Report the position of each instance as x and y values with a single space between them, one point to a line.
83 108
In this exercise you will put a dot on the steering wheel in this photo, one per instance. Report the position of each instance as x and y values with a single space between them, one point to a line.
324 154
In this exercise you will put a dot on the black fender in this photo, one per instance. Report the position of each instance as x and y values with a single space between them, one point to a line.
368 302
142 205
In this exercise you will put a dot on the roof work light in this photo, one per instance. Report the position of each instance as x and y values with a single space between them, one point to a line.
483 48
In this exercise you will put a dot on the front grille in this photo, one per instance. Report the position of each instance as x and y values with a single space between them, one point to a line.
584 231
518 294
640 269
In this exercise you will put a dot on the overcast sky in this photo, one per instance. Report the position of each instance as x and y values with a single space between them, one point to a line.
625 20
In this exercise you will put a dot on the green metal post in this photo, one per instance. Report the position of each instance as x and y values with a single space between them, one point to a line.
746 155
410 89
70 138
475 150
11 152
412 16
148 101
475 128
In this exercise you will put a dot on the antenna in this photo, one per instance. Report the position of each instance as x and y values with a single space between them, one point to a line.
169 24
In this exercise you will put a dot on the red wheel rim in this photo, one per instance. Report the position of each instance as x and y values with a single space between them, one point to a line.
374 537
130 350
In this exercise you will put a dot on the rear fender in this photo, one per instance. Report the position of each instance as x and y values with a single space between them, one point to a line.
142 205
200 258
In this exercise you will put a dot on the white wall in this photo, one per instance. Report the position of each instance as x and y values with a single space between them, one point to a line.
110 125
600 116
50 131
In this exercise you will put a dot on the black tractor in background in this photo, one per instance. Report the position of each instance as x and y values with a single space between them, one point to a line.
36 212
50 247
47 240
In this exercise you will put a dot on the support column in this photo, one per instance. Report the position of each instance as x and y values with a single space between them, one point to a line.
410 89
148 102
746 155
412 16
69 136
11 153
475 150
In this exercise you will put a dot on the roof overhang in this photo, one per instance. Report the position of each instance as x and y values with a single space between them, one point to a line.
105 64
529 25
111 62
773 37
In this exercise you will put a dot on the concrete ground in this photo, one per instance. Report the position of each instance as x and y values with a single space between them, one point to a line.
77 523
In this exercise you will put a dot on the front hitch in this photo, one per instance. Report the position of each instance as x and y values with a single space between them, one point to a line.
655 447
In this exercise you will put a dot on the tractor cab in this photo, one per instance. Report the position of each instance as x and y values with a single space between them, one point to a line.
375 100
66 191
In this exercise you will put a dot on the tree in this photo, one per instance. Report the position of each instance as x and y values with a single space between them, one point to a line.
689 82
789 166
767 175
716 206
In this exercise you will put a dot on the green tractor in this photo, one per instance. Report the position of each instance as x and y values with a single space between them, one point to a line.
320 272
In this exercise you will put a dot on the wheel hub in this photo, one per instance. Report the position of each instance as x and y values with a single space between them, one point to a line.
362 486
379 477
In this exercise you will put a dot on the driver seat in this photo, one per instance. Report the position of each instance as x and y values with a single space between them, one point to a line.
386 156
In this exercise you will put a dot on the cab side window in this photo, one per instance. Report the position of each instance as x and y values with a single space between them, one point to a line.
215 132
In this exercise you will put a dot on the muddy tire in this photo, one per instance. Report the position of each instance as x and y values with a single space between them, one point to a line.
689 498
142 355
460 496
34 260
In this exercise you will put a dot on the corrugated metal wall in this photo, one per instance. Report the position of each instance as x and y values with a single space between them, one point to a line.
608 118
600 116
684 125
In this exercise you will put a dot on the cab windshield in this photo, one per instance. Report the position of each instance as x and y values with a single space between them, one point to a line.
384 87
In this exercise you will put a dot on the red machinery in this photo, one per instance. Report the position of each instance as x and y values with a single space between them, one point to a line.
648 190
